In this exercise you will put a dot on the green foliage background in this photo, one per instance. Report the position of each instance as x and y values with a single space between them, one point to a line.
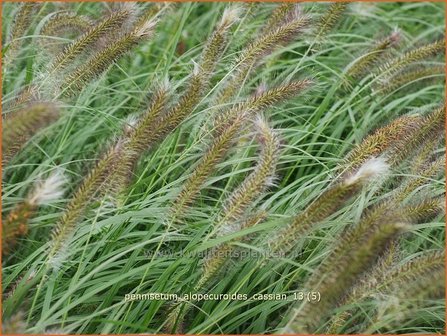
111 252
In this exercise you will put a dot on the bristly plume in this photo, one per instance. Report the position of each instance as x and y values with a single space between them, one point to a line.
135 139
431 125
258 180
430 286
217 42
221 141
280 14
152 11
77 47
426 154
387 277
25 96
15 225
354 251
423 277
381 140
94 184
254 219
197 83
103 59
330 201
252 55
329 20
425 263
230 16
366 62
20 126
405 78
399 140
15 325
425 210
412 56
22 19
226 117
370 281
231 219
430 170
66 21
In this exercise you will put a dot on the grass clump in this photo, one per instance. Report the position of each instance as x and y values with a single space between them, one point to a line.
290 155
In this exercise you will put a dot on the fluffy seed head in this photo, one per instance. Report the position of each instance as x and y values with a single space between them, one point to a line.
129 124
146 29
128 6
261 89
371 169
230 16
396 35
49 189
196 69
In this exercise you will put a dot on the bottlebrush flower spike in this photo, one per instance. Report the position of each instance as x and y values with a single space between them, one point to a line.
103 59
428 286
260 97
431 125
197 84
231 219
326 204
95 183
354 252
386 278
135 138
71 51
280 14
424 264
412 56
16 325
382 140
151 12
61 22
22 19
329 20
218 41
19 127
230 16
15 225
421 177
259 179
222 140
425 210
252 54
369 60
407 77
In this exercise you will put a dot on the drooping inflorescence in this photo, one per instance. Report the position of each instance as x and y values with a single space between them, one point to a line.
20 126
223 140
233 217
201 169
22 20
16 223
102 60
